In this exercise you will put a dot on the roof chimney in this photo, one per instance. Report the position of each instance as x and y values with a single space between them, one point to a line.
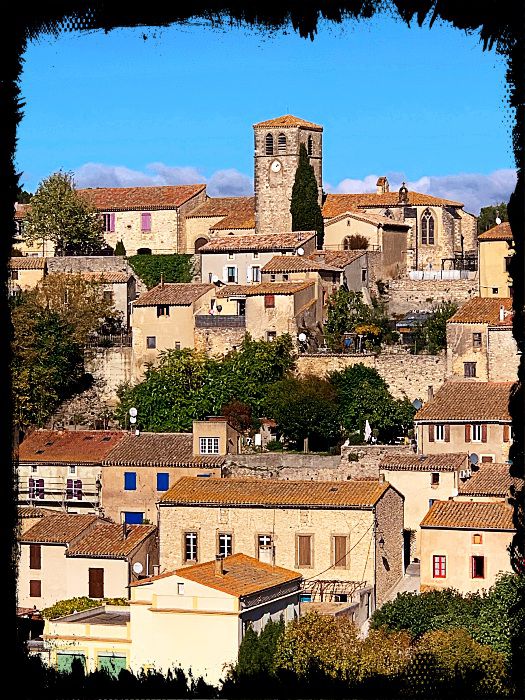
219 565
381 478
162 280
382 185
430 392
124 531
501 313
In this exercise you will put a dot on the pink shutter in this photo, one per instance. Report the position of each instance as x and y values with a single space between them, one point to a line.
78 489
112 222
69 489
146 222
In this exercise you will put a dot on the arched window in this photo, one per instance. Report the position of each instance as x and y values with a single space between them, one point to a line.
281 144
427 228
310 145
269 145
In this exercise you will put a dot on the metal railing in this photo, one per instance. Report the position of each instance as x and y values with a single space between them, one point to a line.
109 341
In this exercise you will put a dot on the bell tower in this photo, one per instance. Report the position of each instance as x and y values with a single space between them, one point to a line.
277 143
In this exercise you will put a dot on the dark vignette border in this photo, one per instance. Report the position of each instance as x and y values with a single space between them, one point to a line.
502 26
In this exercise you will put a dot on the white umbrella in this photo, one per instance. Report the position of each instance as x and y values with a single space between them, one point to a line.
368 431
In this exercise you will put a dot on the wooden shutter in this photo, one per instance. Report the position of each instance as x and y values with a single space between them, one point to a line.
431 433
146 222
269 301
112 222
340 550
40 488
78 489
484 432
467 432
35 589
35 556
304 550
447 433
69 489
506 433
96 583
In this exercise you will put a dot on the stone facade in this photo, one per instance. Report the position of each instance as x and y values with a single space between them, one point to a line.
388 544
214 335
495 356
110 367
405 295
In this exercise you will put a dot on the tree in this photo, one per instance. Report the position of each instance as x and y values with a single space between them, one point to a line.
239 415
487 216
304 206
119 248
257 651
431 336
346 309
59 214
23 197
170 268
356 242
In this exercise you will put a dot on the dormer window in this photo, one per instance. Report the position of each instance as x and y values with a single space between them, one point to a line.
269 144
281 144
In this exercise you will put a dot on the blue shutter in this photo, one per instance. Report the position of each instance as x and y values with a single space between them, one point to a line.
133 518
130 481
163 481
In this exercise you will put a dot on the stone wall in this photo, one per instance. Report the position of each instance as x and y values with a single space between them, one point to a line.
406 375
94 263
109 367
407 295
218 341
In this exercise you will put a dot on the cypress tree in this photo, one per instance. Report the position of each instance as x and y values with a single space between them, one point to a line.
304 207
119 248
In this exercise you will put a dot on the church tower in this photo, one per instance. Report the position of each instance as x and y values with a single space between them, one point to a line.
277 144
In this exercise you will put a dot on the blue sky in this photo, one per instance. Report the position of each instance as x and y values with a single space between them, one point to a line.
425 106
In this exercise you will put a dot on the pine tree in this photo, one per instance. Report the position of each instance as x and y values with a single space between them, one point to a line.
304 207
119 248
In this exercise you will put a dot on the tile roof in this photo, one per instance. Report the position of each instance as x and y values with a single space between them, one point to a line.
271 241
59 529
22 210
159 450
36 512
491 479
501 232
444 462
173 294
336 204
235 221
288 121
238 212
149 198
470 515
296 263
375 219
484 310
468 401
65 446
107 540
264 493
107 277
253 290
27 263
337 258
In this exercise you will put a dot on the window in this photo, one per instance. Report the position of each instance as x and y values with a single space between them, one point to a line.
151 342
281 144
364 274
36 488
476 340
34 467
286 277
271 336
108 297
130 481
439 432
108 222
224 544
478 567
231 274
177 345
113 664
73 489
340 549
35 589
304 551
14 274
434 479
163 310
209 446
145 221
477 539
427 228
439 566
231 256
506 433
477 432
35 556
495 291
469 369
269 145
180 589
507 263
265 548
133 518
190 546
255 255
72 469
96 583
310 145
272 278
340 598
269 301
256 274
163 481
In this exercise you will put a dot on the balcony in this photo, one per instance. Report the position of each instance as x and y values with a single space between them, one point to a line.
216 321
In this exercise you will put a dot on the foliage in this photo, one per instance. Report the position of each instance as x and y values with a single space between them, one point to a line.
23 197
348 313
239 415
71 605
304 408
16 253
356 242
304 206
59 214
362 394
257 651
151 269
431 336
274 446
487 216
119 248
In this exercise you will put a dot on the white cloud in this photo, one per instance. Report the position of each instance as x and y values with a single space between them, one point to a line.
229 183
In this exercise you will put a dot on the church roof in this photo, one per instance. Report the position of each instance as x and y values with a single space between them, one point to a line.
336 204
288 121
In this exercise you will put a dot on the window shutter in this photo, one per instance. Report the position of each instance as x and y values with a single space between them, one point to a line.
146 221
31 487
96 583
112 222
35 556
447 433
431 433
304 546
35 589
484 432
40 488
78 489
340 550
506 433
467 432
69 489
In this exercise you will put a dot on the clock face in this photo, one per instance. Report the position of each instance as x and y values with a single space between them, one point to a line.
276 166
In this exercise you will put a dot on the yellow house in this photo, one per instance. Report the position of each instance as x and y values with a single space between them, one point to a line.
496 247
488 482
465 545
219 216
25 273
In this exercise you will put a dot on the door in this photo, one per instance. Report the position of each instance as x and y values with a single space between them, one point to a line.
96 583
112 663
65 661
241 307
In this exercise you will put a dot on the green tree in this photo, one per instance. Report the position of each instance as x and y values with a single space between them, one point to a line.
23 197
59 214
304 206
153 268
257 651
357 242
487 216
431 336
346 310
119 248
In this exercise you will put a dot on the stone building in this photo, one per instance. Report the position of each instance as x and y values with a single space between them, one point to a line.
496 247
37 249
25 273
118 288
219 216
339 535
480 344
468 417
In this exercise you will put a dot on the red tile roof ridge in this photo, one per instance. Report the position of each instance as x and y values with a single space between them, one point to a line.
468 401
173 294
485 310
288 121
150 197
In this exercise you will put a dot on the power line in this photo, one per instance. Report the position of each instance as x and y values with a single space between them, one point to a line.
341 558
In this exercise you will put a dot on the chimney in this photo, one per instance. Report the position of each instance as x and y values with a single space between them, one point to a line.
124 531
219 565
381 478
430 393
501 313
382 185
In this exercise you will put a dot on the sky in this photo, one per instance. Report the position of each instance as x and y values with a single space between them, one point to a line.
153 106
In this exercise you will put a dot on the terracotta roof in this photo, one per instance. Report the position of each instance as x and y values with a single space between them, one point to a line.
484 310
271 241
444 462
296 263
65 446
337 258
22 210
107 277
336 204
468 401
159 450
59 529
491 479
375 219
288 121
27 263
469 515
501 232
149 198
173 294
36 512
107 540
265 493
236 221
238 212
253 290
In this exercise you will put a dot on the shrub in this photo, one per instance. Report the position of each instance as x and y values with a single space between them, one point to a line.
172 268
274 446
67 607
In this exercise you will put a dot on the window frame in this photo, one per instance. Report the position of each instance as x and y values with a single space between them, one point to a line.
439 565
35 584
477 340
427 228
94 585
206 449
35 556
190 544
439 432
477 535
256 273
145 222
151 342
474 429
165 475
130 478
299 537
268 144
269 301
224 544
469 370
474 561
435 479
231 278
341 562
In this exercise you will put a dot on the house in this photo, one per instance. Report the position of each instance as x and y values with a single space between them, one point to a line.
468 417
37 249
30 515
465 545
62 469
193 618
496 247
341 536
355 264
68 555
489 482
423 479
25 273
118 289
163 319
219 216
480 344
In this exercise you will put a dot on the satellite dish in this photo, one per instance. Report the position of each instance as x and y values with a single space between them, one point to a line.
133 412
137 567
300 251
498 220
417 404
214 278
474 459
302 337
132 419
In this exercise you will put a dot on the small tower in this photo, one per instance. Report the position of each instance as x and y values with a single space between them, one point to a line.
277 144
403 194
